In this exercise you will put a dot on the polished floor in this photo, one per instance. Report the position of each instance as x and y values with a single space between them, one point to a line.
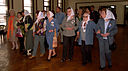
14 61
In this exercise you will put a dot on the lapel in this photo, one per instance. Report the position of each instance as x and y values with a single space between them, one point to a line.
87 25
109 26
103 25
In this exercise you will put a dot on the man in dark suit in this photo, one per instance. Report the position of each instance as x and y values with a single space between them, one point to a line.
94 15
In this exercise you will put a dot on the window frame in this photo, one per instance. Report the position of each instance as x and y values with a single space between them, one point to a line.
5 15
47 6
63 3
28 6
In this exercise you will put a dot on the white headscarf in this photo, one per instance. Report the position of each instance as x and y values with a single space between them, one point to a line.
26 13
72 14
109 15
51 14
88 17
40 16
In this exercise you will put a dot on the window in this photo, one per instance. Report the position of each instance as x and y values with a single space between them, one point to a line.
3 10
60 4
46 5
28 5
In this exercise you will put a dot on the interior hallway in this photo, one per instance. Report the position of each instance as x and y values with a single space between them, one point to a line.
14 61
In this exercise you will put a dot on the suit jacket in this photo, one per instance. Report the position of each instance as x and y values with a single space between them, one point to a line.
112 29
60 17
89 34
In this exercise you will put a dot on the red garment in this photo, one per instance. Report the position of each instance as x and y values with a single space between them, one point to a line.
10 26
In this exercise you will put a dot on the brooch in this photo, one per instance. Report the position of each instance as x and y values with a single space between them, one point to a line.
73 21
110 24
52 23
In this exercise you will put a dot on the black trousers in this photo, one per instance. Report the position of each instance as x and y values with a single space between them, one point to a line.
21 40
86 52
68 43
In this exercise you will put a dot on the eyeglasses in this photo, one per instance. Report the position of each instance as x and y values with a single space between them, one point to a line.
85 16
68 11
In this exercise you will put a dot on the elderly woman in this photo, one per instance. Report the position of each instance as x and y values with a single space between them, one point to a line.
68 26
11 27
51 25
29 31
39 34
86 34
106 30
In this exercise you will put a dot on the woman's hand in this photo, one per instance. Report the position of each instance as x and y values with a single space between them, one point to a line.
38 31
18 21
98 32
70 28
50 30
78 35
105 35
26 30
33 34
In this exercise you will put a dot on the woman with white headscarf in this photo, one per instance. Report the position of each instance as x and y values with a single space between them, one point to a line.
69 26
51 25
106 31
85 35
28 31
11 27
39 34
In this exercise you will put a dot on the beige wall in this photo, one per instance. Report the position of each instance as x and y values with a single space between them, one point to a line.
119 6
17 4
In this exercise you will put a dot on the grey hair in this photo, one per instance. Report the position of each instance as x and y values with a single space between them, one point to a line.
12 10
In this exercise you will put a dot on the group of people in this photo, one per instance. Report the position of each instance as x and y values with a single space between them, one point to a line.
70 27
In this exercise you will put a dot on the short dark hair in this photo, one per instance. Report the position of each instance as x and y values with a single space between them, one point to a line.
19 13
22 11
37 12
92 6
58 7
104 9
68 8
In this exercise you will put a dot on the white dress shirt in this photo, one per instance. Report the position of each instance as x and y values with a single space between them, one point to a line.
105 29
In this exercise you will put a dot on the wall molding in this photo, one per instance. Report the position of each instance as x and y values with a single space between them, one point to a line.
76 4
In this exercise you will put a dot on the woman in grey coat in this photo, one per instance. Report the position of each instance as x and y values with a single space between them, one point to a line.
68 26
106 30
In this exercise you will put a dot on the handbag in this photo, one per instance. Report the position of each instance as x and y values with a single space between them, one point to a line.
112 46
55 39
18 33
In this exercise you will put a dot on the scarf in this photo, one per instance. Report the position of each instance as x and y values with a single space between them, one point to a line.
10 26
72 14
